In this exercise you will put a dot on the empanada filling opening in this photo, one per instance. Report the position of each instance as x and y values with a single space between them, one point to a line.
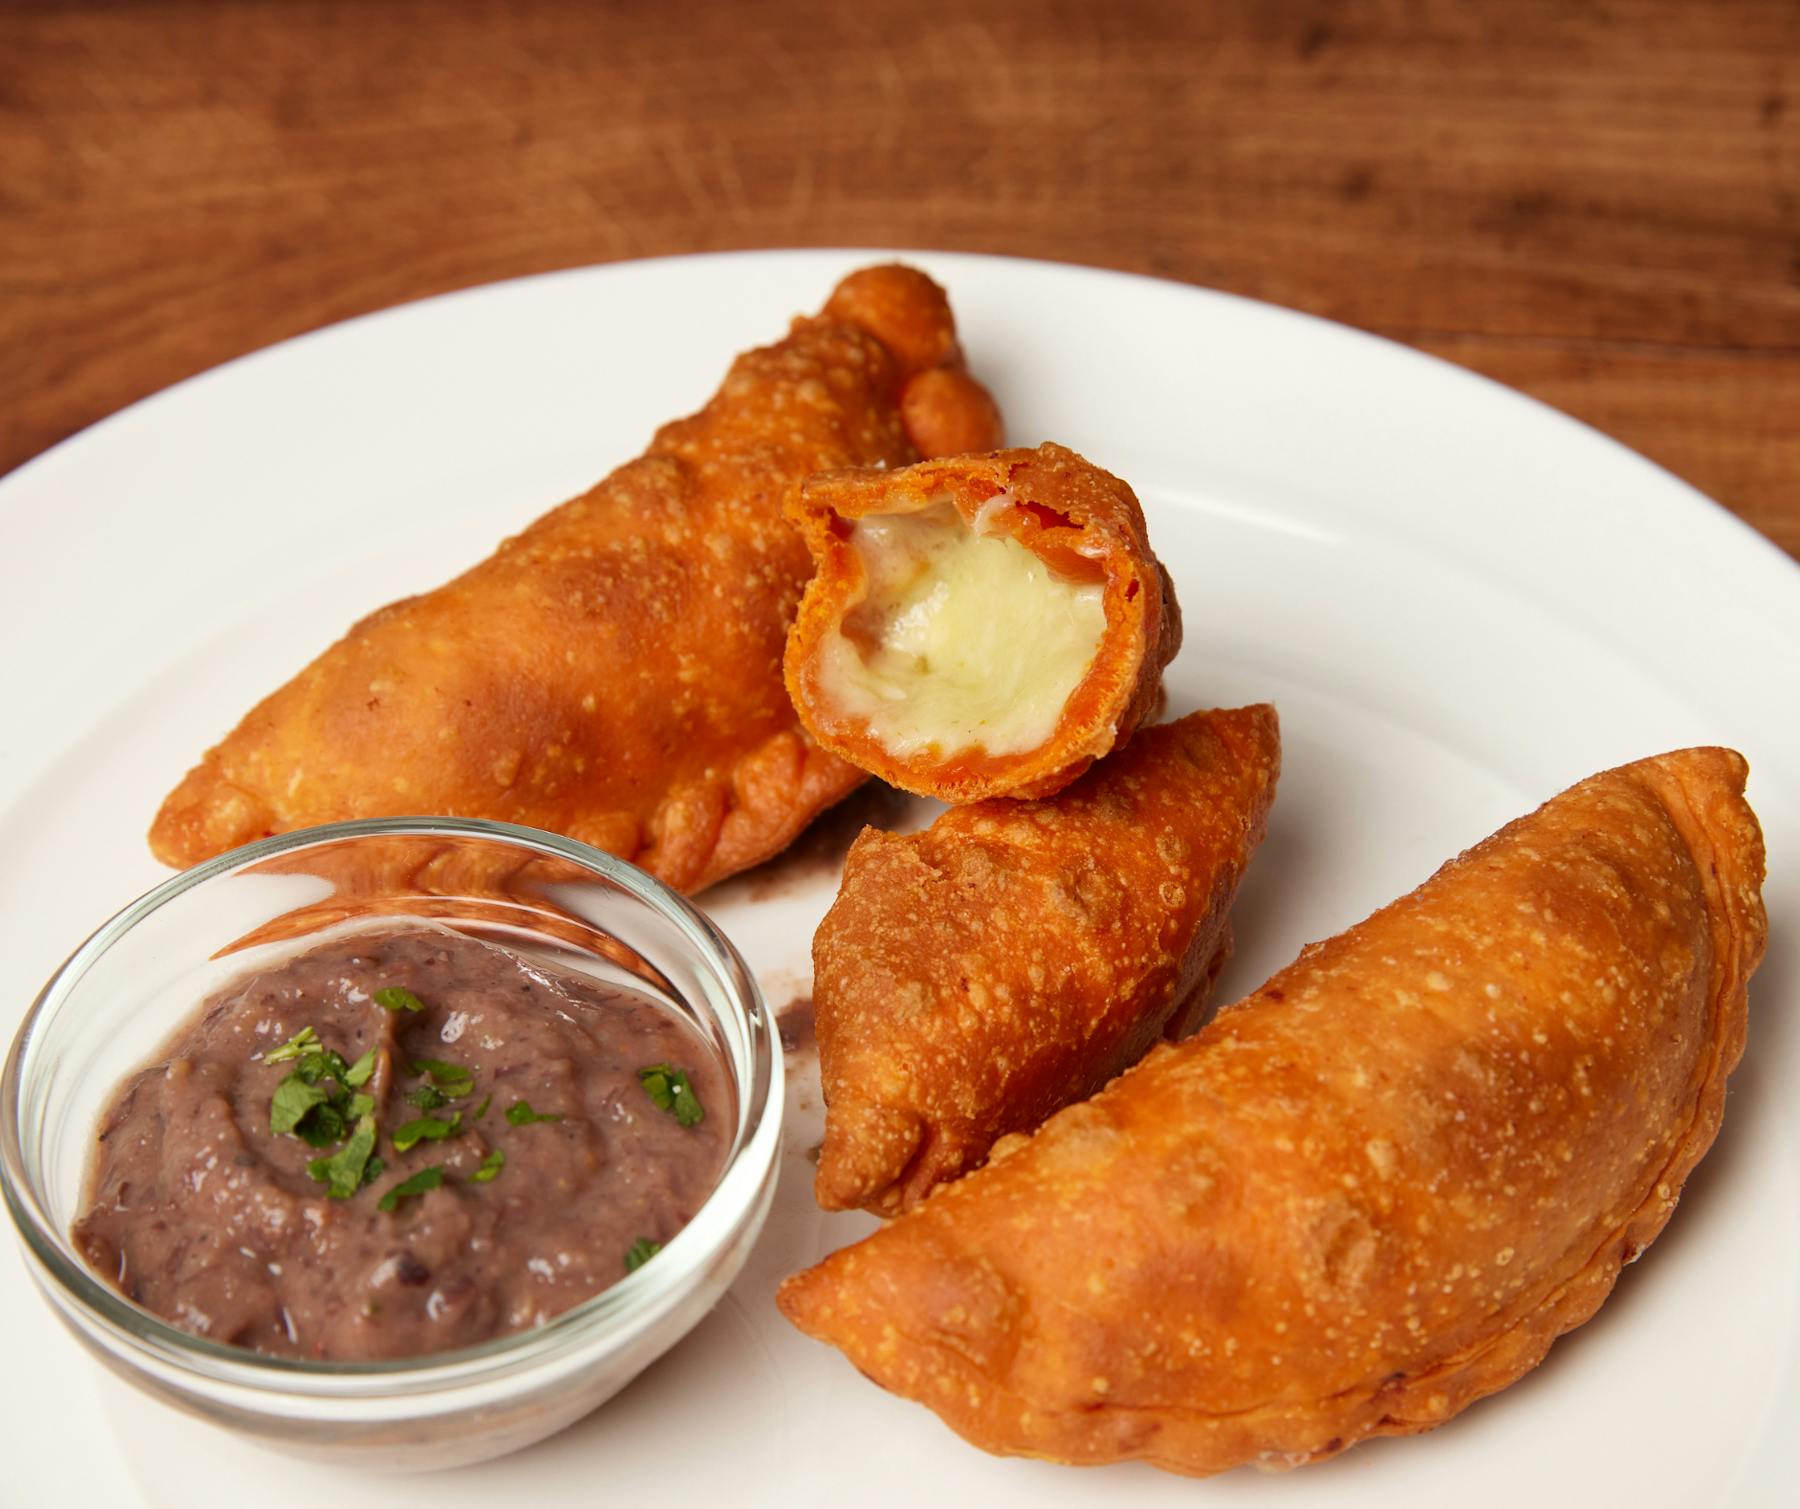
964 639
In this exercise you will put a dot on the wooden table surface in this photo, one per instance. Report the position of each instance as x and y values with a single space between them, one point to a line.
1597 201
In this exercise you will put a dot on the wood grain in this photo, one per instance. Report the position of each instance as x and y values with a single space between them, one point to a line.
1596 202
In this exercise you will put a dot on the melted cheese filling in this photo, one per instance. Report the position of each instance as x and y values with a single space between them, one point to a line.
962 640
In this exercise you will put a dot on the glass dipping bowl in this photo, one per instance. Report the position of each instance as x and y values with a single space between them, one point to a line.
114 1004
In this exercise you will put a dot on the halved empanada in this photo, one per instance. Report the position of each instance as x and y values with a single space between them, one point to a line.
980 626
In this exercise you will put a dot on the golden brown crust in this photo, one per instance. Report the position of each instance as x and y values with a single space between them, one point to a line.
904 310
613 672
1370 1194
1079 519
974 978
948 413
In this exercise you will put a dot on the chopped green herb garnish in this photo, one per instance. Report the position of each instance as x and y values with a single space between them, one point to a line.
374 1169
322 1063
415 1184
425 1129
453 1079
427 1097
520 1114
669 1088
343 1171
397 998
299 1043
640 1252
482 1109
490 1167
326 1125
304 1106
294 1097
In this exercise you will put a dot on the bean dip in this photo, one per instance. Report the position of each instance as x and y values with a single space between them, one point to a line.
398 1143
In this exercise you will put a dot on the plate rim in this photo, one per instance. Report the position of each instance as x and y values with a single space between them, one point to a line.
1393 345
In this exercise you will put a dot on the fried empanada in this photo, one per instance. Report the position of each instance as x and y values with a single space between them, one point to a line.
614 672
1374 1191
972 979
982 626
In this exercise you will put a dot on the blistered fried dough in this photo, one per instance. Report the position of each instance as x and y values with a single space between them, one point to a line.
1373 1192
982 626
614 672
974 978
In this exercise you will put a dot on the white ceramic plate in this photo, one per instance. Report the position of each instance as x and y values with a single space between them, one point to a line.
1460 600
